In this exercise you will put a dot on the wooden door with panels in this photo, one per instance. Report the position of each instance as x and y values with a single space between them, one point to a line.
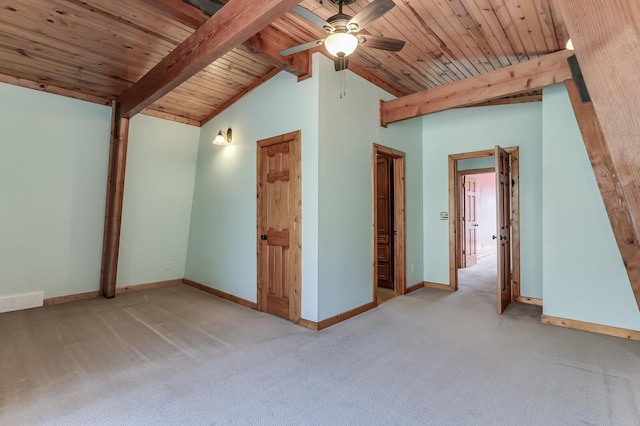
279 220
384 227
469 222
503 225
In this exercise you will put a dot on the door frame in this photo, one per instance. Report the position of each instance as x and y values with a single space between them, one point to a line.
399 244
295 209
461 234
454 215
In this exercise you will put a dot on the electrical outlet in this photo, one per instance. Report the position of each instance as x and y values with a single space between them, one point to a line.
412 268
167 265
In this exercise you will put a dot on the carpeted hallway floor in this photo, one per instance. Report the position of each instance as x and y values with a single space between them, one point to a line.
175 355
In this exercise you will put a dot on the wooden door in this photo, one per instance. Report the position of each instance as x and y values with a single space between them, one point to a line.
279 212
470 222
503 231
384 211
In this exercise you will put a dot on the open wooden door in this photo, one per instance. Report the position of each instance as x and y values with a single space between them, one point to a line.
503 231
470 247
279 211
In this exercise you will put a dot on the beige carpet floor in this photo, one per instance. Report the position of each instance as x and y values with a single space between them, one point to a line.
175 355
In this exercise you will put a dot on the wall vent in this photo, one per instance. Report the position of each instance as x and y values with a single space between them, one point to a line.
21 301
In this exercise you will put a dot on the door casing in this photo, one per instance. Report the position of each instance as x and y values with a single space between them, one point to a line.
454 215
399 245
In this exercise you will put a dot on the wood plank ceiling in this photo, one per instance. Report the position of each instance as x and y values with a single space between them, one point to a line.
95 49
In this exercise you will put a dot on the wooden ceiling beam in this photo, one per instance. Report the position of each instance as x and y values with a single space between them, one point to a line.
267 43
607 45
182 12
512 80
237 21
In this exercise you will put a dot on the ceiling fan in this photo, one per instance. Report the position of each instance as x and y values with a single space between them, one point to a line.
345 32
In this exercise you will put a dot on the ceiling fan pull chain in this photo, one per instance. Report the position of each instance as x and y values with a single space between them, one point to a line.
343 90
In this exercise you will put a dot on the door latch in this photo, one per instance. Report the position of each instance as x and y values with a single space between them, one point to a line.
263 237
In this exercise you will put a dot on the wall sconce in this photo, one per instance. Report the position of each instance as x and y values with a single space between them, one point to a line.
222 139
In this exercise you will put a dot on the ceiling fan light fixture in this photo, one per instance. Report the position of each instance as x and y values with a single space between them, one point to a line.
341 44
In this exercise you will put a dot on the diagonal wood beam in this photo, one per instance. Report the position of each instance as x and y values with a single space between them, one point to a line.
607 43
182 12
115 197
524 77
609 184
266 44
237 21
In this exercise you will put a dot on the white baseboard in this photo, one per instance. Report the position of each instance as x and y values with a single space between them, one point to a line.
21 301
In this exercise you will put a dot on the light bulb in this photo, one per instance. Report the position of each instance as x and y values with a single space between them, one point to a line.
341 44
569 45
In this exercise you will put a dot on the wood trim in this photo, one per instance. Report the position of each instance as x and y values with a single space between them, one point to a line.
515 222
523 77
371 78
607 46
399 199
610 185
239 96
528 300
414 287
508 101
233 24
437 286
115 197
48 88
221 294
454 219
592 328
345 315
311 325
170 117
147 286
71 298
454 213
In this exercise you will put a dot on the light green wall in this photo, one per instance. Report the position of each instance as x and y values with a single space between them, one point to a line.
474 129
584 277
348 128
53 176
160 174
222 239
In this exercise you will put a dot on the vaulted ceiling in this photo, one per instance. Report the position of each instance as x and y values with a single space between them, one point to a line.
96 49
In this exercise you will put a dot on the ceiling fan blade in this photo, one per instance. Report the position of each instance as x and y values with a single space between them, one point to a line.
371 12
383 43
301 47
341 63
311 17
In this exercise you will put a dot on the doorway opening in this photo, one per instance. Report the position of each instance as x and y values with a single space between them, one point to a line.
507 226
477 270
389 274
